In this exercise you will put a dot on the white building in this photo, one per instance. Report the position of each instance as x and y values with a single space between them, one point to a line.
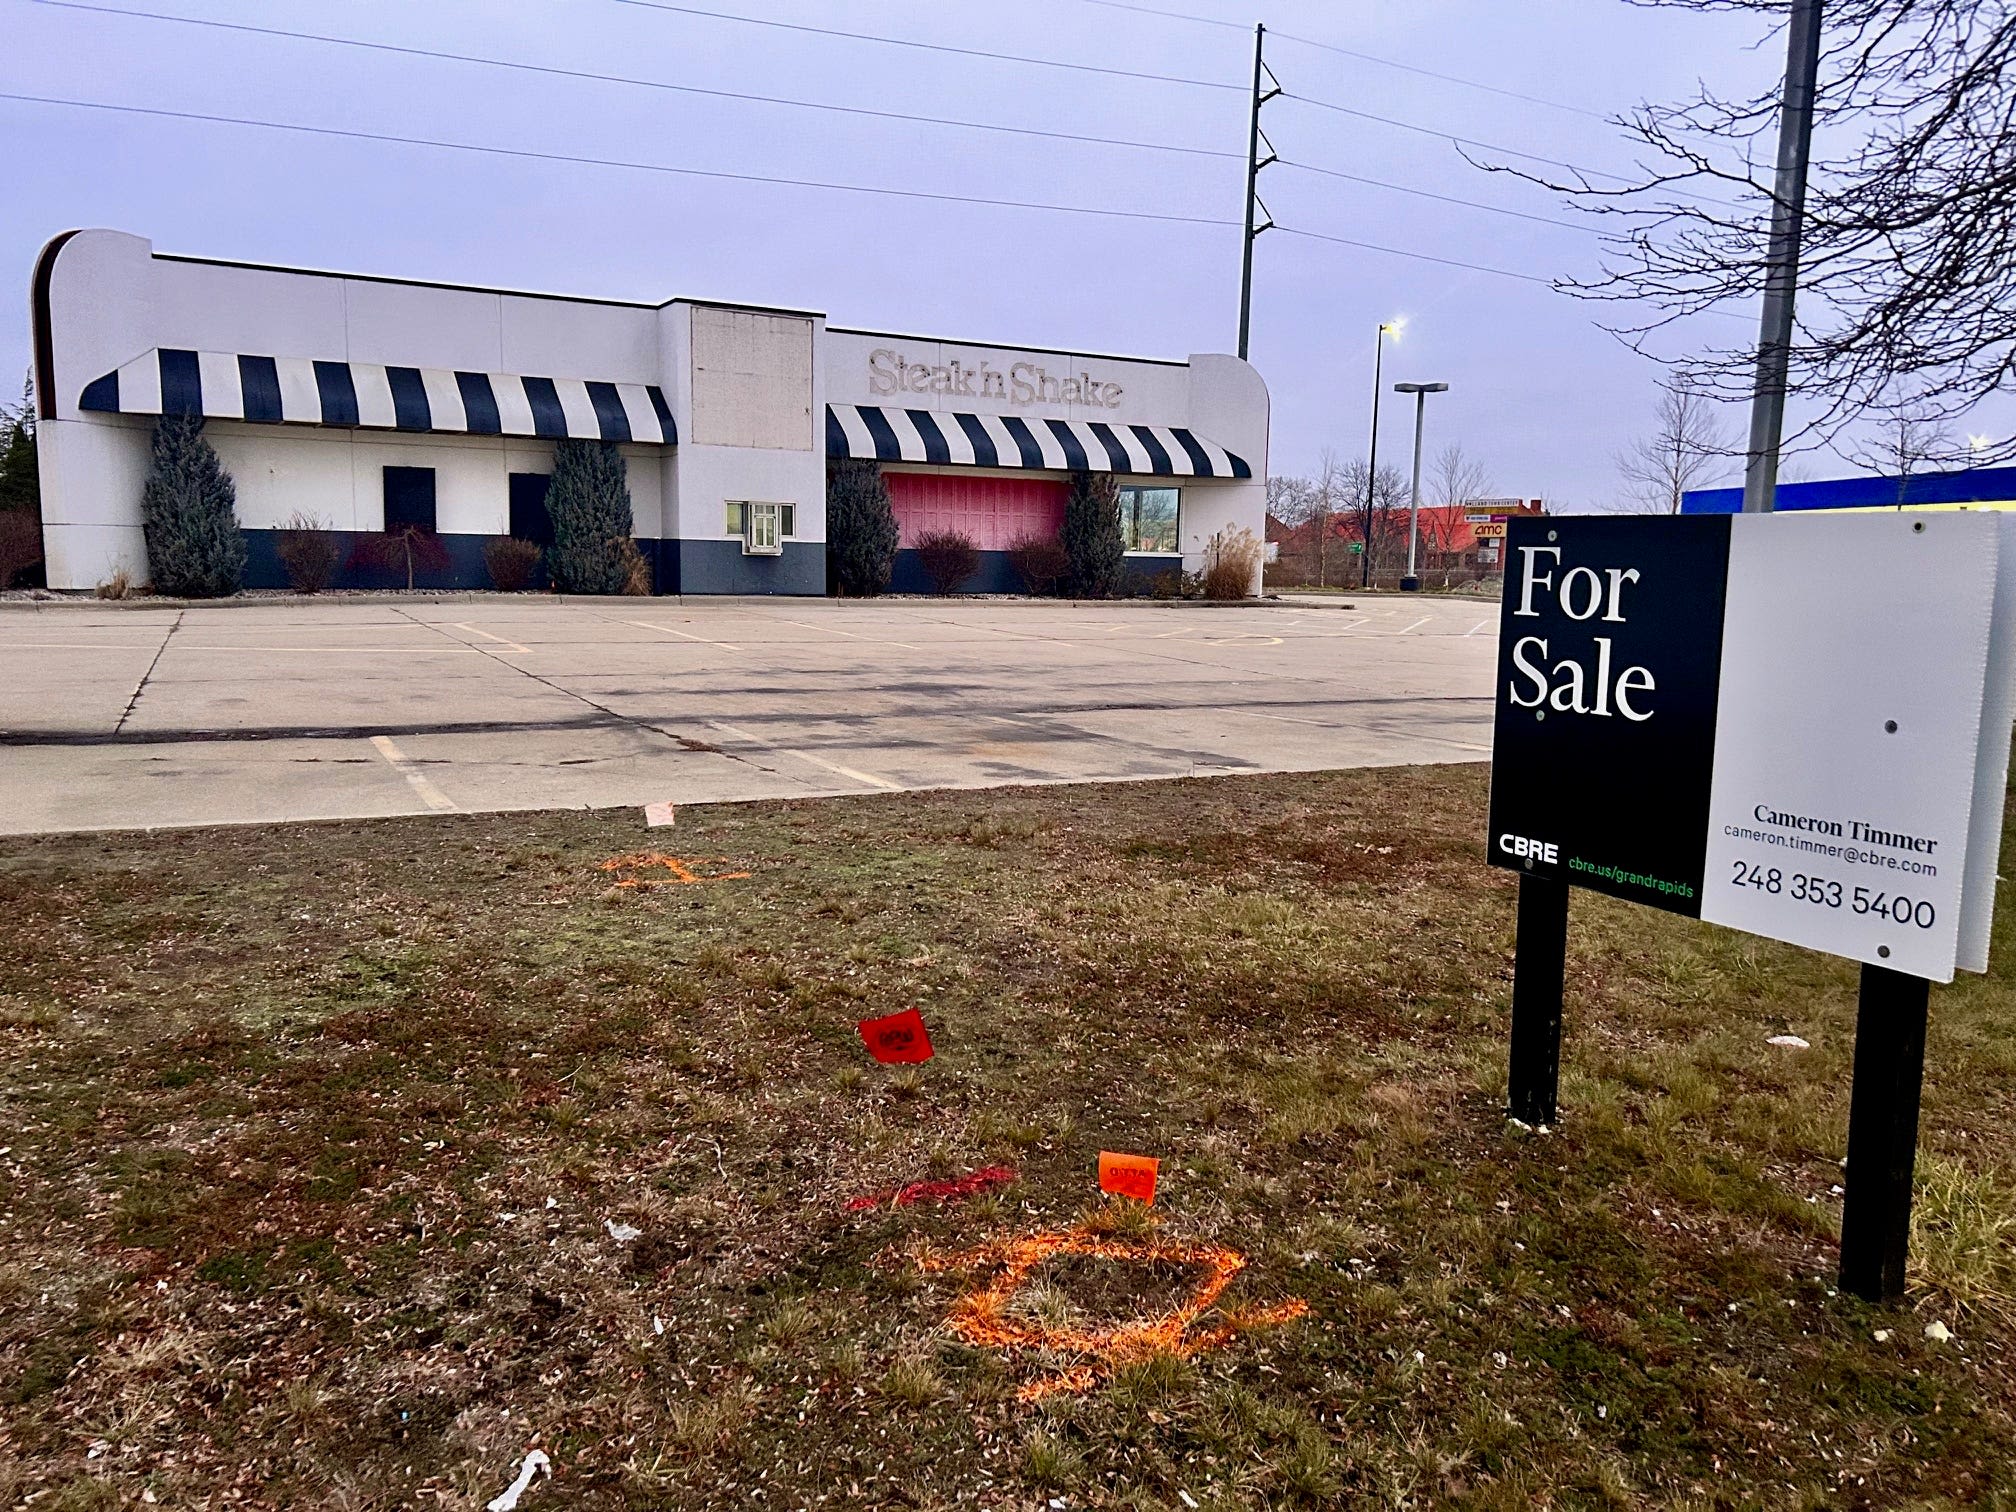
365 402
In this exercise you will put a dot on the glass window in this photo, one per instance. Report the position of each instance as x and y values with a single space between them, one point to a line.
763 536
1149 518
790 518
738 518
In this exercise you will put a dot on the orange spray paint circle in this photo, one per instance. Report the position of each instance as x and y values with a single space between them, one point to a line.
982 1316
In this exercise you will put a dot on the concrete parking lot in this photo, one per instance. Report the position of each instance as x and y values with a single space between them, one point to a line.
122 718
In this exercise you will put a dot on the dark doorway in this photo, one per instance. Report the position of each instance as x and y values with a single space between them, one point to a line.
529 519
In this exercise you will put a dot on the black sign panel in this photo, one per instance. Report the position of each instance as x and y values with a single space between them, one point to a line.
1609 655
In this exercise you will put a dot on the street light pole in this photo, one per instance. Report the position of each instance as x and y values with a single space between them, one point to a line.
1412 582
1386 328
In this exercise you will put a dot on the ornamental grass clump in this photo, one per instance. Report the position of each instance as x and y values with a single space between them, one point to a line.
189 515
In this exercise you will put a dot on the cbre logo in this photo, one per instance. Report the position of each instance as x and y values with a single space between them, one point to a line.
1532 850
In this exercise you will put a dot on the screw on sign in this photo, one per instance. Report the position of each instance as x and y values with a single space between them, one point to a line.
1128 1175
897 1039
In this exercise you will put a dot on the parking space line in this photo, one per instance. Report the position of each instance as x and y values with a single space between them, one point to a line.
509 645
806 756
873 640
430 795
1475 628
668 630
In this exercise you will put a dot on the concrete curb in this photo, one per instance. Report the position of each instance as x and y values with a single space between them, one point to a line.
81 601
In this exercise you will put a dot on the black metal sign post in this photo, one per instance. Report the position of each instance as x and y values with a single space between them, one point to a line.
1882 1132
1539 966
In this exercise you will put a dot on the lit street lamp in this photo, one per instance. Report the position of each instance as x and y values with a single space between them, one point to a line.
1386 328
1420 391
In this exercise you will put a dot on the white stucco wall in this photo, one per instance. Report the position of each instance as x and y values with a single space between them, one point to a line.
111 298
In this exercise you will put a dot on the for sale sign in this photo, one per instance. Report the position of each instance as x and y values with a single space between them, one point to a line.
1794 726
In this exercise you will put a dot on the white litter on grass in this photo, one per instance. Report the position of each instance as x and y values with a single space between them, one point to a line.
1788 1041
1938 1332
658 815
622 1233
1187 1498
1882 1336
535 1462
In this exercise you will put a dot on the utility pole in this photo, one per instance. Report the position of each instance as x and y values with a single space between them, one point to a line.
1781 271
1255 140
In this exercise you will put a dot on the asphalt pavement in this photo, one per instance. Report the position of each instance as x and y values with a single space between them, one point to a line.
115 718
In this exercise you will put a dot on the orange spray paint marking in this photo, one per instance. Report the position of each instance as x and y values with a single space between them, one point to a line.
981 1317
678 872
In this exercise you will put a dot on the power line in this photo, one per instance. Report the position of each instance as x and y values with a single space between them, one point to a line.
1481 146
403 50
1347 52
937 47
349 134
631 163
1447 199
1429 73
1447 262
607 78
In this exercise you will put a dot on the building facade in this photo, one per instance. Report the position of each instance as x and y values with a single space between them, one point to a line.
363 404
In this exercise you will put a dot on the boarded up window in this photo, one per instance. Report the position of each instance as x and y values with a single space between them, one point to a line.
752 379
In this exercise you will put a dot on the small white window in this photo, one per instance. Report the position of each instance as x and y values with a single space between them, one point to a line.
765 537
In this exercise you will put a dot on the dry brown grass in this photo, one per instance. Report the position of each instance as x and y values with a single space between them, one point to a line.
315 1137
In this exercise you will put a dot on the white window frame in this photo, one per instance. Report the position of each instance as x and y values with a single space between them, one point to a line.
763 528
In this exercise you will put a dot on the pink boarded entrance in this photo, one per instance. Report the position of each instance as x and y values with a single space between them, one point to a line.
994 512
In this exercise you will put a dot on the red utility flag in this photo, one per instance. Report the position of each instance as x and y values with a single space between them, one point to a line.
1129 1175
899 1037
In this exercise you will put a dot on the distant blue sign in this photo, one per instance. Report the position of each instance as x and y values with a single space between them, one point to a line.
1973 485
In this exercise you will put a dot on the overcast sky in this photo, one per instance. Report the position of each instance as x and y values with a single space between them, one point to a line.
1539 392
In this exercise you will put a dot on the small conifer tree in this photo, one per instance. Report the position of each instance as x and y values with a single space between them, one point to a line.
1091 537
589 501
861 530
20 471
188 514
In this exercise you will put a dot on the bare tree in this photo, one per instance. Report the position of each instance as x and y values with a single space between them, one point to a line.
1688 448
1909 262
1908 436
1457 477
1379 515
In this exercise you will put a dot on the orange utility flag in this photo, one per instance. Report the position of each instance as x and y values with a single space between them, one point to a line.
1129 1175
899 1037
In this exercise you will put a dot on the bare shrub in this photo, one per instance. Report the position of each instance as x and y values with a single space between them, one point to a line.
1041 562
949 559
117 586
511 563
308 552
1231 559
20 543
405 548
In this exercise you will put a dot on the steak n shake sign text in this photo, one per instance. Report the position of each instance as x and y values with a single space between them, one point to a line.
1793 726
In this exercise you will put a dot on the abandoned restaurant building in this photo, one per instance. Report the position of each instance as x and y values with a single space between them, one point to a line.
368 404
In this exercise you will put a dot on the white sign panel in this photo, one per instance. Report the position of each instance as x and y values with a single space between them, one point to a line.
1792 725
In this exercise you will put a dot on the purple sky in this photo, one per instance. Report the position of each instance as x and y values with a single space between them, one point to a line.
1538 392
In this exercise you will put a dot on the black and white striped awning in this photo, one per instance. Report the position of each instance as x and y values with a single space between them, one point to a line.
304 391
872 433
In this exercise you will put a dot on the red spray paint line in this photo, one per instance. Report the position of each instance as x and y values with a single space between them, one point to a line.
981 1180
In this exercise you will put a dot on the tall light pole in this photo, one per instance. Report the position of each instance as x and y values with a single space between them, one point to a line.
1412 583
1386 328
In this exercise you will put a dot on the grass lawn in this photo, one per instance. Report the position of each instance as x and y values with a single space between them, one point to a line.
324 1147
